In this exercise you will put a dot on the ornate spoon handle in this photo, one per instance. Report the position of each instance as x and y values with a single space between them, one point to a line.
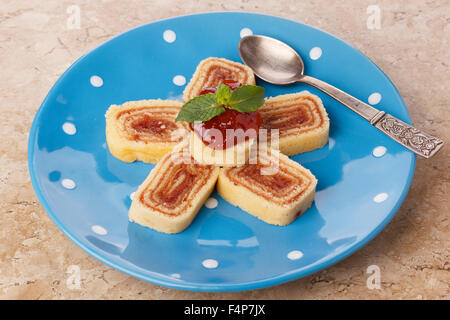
410 137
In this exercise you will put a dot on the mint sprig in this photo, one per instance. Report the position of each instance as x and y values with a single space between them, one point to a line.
201 108
246 98
223 94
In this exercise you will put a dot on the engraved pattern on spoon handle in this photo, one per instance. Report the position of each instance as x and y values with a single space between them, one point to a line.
410 137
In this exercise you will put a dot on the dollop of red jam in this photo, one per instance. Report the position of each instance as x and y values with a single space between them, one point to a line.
218 138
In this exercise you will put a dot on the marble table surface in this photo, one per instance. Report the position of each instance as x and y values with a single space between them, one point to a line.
40 39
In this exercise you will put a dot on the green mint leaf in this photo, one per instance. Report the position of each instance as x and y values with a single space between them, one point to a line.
223 94
201 108
247 98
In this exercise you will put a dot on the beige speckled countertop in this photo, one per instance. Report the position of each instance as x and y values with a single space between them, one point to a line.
411 46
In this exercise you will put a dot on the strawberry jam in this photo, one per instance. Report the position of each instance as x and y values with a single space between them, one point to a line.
245 125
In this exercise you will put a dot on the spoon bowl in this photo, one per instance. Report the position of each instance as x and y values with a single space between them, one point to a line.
271 60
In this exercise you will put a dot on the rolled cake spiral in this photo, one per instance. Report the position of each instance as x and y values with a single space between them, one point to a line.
170 197
144 130
276 189
211 72
301 119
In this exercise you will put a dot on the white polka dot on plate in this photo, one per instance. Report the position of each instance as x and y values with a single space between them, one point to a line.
175 275
379 151
315 53
179 80
132 195
374 98
211 203
69 128
210 263
246 32
68 184
380 197
295 255
169 36
99 230
96 81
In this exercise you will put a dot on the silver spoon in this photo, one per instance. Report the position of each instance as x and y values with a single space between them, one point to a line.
277 63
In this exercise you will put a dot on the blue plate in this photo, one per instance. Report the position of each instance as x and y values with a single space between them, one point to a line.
363 175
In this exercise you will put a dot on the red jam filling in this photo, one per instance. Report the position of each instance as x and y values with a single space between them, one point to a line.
218 138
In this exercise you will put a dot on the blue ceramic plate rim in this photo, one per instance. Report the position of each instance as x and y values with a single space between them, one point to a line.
275 280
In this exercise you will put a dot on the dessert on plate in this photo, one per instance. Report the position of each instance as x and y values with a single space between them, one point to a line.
143 130
170 197
302 121
277 189
211 72
219 125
